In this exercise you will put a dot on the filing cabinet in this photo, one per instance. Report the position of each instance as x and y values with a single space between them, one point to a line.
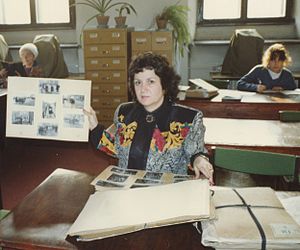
159 42
106 56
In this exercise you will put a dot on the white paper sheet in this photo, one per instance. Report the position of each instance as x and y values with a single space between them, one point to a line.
44 108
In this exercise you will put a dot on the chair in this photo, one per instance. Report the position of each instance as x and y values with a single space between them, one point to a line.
261 164
5 54
244 52
50 56
289 116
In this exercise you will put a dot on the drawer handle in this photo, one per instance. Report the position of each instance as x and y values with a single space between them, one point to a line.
106 91
105 52
106 104
106 78
105 65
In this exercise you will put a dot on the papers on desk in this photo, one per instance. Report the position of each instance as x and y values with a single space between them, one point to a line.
114 212
44 108
259 220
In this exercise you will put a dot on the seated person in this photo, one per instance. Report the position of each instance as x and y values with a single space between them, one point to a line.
27 67
271 74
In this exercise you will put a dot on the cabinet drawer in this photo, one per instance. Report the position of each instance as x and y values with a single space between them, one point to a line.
104 36
162 40
105 50
103 76
141 41
109 89
165 53
105 63
107 102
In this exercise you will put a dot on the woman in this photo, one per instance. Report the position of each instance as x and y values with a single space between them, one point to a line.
153 132
271 74
27 67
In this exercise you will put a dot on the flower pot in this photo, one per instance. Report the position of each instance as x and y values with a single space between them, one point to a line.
102 21
161 23
120 21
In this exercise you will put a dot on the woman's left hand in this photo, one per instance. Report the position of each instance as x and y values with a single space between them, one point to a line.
202 165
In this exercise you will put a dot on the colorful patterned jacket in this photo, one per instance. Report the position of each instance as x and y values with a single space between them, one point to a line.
162 141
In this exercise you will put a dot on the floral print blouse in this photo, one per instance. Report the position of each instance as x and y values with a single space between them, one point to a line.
162 141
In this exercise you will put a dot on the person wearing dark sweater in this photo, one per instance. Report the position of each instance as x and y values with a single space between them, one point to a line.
272 74
153 132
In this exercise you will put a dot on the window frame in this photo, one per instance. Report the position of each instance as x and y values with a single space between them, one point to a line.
243 20
42 26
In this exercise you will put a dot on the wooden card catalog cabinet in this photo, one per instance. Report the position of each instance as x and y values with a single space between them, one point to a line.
106 60
159 42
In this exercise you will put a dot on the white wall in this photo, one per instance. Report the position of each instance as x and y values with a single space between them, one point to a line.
202 58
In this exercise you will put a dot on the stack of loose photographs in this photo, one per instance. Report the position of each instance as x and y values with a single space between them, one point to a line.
115 177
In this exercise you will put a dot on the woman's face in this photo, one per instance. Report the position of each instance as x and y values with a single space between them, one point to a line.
276 65
148 89
27 58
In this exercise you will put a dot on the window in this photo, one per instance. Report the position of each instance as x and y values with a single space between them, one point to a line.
244 11
36 14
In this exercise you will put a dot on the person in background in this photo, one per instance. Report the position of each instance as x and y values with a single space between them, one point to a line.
153 132
272 74
28 66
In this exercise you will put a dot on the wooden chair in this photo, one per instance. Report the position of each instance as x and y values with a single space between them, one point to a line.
283 166
289 116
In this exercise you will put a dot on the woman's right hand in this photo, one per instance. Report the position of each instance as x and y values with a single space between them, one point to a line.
92 117
261 88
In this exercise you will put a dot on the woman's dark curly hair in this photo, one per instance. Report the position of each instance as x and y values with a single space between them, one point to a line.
168 77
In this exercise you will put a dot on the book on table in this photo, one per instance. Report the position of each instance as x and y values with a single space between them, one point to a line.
111 212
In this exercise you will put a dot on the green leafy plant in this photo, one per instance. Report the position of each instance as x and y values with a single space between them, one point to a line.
126 7
176 16
103 6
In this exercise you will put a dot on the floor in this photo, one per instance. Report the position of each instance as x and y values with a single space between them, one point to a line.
26 163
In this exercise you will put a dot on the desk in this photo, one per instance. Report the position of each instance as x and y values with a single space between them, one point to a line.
220 76
43 218
251 106
266 135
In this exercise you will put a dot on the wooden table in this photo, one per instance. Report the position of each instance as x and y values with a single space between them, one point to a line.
251 106
42 219
265 135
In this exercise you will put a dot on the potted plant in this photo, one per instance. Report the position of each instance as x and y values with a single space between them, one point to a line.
101 7
120 19
176 16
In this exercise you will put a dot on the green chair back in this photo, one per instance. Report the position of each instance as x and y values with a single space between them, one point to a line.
289 116
255 162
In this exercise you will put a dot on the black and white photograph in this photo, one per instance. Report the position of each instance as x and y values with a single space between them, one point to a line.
146 182
22 117
103 183
74 120
49 86
117 178
153 175
49 110
73 101
26 100
124 171
47 129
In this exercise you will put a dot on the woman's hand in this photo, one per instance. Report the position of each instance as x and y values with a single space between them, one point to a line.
261 88
92 118
3 73
202 165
